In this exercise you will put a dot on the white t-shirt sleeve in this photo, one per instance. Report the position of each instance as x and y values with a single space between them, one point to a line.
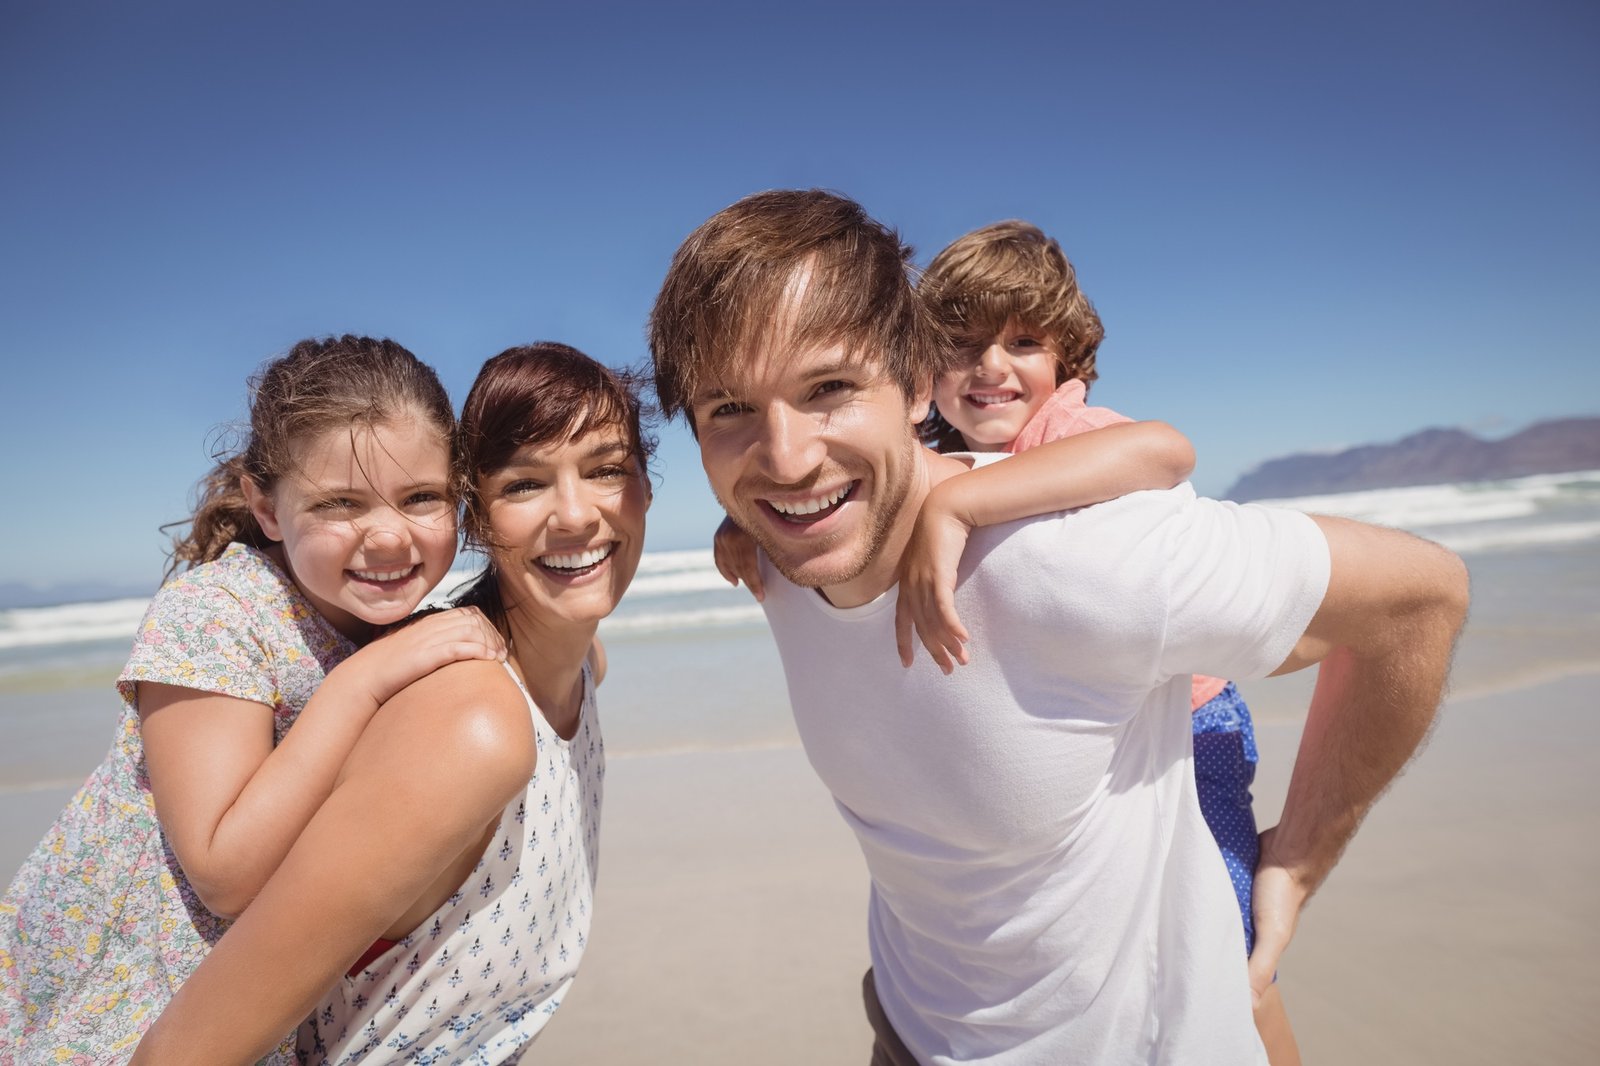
1243 583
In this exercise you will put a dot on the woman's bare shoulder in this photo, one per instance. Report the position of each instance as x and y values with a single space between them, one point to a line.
470 712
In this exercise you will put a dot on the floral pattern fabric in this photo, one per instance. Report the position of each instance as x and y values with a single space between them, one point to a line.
100 927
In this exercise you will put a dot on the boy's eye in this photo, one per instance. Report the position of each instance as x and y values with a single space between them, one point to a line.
725 409
831 386
1026 342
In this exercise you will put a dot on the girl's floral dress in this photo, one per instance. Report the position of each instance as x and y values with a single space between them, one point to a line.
100 926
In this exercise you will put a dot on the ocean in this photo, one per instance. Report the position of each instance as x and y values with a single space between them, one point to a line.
693 668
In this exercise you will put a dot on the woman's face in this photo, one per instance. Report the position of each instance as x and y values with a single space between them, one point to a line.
566 526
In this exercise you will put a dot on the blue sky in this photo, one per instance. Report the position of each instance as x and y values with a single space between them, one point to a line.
1305 227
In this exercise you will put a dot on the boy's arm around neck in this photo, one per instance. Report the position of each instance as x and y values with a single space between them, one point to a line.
1057 476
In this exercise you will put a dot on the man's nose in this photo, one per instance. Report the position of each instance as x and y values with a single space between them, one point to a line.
791 445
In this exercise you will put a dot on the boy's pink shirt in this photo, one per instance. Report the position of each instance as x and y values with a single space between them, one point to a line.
1065 414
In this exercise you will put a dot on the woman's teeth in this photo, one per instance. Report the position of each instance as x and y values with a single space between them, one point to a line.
800 508
383 575
576 560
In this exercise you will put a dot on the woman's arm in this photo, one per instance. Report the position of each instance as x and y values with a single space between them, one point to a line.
426 779
230 803
1056 476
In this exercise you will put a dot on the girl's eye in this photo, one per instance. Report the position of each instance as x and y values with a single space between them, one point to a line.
424 499
607 473
1026 342
338 503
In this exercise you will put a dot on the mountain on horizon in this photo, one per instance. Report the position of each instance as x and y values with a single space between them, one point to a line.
1431 457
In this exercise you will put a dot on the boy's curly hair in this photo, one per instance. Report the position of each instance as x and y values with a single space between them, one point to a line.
983 279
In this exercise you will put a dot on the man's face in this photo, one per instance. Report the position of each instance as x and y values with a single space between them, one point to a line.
814 454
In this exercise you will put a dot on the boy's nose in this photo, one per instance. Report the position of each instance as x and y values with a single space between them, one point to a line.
992 361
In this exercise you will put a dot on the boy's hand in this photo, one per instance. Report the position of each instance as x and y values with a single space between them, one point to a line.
928 586
735 553
414 651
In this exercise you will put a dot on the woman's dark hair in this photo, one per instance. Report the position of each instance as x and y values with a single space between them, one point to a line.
332 383
543 393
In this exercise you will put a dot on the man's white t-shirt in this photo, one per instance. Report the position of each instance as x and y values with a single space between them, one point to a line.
1044 889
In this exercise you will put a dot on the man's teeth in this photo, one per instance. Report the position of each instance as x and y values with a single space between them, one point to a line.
382 575
811 506
575 561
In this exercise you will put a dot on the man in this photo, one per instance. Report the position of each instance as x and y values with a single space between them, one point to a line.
1044 889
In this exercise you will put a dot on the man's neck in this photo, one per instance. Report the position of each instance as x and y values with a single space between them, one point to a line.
884 569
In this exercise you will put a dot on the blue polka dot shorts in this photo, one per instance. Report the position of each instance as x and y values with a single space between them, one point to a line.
1224 768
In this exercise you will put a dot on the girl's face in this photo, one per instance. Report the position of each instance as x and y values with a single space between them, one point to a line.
366 523
566 526
1007 381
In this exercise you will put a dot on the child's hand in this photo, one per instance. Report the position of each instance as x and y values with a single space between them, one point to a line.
414 651
735 553
928 586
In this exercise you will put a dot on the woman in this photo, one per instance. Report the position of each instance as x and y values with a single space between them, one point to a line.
437 906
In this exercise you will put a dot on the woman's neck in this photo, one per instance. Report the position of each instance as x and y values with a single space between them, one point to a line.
550 660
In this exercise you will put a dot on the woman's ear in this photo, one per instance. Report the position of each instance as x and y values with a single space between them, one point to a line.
261 508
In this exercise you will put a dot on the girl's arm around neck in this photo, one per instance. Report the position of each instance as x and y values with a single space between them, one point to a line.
230 803
403 826
1056 476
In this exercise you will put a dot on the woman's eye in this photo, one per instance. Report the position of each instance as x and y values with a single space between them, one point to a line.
608 473
522 486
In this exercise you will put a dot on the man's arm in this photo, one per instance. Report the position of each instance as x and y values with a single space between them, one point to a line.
1384 636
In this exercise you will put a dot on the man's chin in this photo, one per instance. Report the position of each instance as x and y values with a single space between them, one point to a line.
813 571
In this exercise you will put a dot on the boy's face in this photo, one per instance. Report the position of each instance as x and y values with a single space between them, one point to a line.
1008 379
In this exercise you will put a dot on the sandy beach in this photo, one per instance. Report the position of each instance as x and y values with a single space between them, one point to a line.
1460 927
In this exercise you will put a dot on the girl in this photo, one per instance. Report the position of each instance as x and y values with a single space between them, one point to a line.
336 517
462 832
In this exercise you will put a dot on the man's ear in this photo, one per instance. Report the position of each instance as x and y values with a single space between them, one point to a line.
261 509
921 400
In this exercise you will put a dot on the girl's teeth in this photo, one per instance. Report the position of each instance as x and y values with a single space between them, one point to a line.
991 397
575 561
812 506
382 575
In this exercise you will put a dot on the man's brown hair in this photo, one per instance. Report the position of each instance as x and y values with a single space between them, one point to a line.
1008 269
727 295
